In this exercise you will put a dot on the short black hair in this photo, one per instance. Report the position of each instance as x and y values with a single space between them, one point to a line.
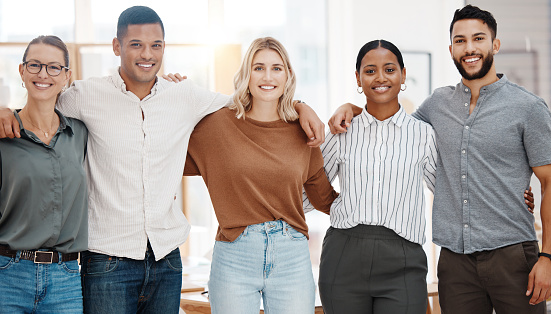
137 15
472 12
374 44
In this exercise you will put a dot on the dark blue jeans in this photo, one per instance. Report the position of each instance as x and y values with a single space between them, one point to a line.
113 284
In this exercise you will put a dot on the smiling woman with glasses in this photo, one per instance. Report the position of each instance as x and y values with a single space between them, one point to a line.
43 196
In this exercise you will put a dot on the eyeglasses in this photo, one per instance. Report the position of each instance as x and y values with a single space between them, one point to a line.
53 69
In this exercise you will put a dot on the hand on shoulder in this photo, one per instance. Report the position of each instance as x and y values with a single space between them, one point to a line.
9 127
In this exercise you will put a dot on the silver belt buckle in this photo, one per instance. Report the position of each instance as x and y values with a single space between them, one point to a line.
36 253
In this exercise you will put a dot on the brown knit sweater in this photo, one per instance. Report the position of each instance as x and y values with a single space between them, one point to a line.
255 171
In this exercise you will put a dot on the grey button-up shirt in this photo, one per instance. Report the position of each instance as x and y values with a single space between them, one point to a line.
43 193
484 163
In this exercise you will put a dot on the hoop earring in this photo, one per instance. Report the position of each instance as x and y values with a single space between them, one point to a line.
404 87
23 84
360 90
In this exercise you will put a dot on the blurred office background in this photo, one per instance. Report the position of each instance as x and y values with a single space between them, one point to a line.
206 39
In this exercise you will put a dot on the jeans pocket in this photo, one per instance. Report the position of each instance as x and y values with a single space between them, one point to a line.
71 267
5 262
97 264
174 260
239 237
293 234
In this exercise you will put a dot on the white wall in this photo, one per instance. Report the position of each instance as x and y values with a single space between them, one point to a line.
411 25
524 26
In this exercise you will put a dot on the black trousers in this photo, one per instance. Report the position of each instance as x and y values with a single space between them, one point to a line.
487 280
371 269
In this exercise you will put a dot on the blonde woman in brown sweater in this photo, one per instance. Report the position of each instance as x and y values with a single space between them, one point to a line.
255 162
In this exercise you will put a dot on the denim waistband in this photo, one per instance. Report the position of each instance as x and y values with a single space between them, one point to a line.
267 227
370 232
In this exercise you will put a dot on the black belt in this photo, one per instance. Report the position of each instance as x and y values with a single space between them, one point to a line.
40 257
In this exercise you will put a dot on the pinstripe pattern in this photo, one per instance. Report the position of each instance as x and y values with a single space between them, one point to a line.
135 163
381 166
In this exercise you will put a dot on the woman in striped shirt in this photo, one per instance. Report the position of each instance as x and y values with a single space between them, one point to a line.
372 260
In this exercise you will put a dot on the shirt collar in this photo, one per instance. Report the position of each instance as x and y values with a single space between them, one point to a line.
397 119
64 123
119 83
488 88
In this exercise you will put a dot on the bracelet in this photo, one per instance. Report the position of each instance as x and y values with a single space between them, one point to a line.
545 255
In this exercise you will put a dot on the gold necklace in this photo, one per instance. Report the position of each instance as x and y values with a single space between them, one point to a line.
46 133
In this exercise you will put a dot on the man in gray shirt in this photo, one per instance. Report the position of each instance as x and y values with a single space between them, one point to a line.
491 135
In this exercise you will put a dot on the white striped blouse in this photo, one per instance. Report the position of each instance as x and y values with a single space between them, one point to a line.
381 166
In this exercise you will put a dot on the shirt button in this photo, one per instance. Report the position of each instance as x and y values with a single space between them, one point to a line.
465 201
463 176
466 226
466 104
466 89
463 151
467 127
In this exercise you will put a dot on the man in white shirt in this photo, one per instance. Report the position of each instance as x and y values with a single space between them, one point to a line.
139 129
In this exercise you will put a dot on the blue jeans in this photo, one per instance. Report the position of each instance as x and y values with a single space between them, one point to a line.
269 261
26 287
119 285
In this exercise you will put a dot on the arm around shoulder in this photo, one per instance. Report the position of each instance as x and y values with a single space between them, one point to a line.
203 100
311 124
340 120
68 103
9 127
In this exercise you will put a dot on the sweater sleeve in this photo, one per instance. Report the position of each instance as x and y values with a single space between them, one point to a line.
191 169
329 150
318 189
320 192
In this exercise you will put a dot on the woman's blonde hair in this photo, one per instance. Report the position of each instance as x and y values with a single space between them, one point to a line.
242 97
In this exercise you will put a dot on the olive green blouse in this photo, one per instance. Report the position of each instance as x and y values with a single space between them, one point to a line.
43 193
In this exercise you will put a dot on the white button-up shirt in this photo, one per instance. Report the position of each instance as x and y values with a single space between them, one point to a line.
381 166
135 160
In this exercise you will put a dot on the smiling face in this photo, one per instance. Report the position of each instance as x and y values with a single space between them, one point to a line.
473 49
42 86
141 52
268 77
380 77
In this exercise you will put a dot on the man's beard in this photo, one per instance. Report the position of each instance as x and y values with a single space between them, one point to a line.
486 66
